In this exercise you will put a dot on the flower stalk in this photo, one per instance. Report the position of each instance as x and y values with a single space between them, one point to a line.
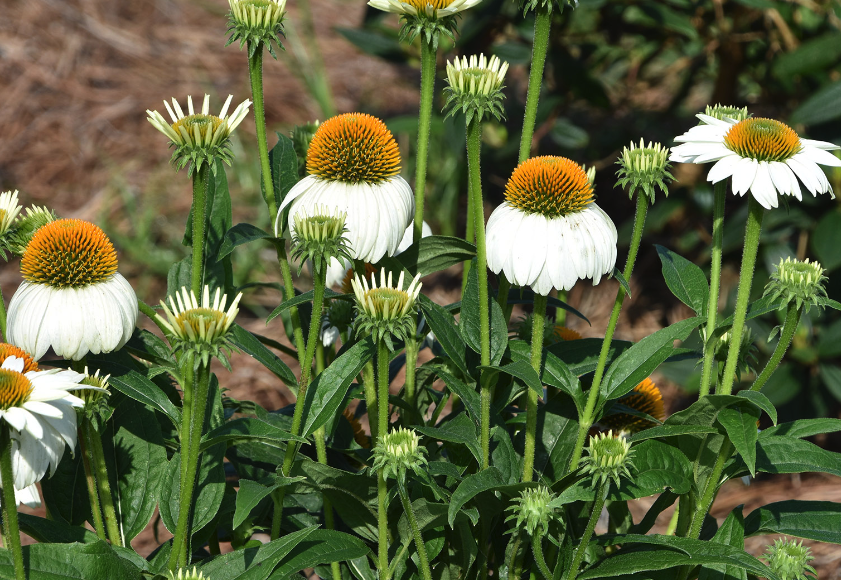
90 481
538 321
100 472
10 514
413 523
427 93
752 233
715 283
786 335
200 179
598 505
542 25
587 418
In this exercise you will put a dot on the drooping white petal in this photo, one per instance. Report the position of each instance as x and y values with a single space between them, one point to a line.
743 175
723 168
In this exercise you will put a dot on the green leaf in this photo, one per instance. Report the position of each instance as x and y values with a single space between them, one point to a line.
141 389
252 493
823 106
686 280
619 277
284 164
436 253
470 325
814 520
761 402
670 431
65 492
520 370
251 345
248 429
328 390
207 495
668 552
638 362
581 356
557 430
254 563
241 234
731 533
657 467
471 486
460 429
304 298
812 56
320 547
136 460
503 455
740 423
759 307
54 531
467 393
827 236
558 375
70 562
788 455
803 428
443 324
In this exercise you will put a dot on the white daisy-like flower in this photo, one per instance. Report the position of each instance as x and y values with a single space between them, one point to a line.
207 321
548 233
39 409
353 164
762 156
72 298
9 210
430 8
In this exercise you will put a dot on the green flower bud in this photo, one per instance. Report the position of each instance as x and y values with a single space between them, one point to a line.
527 5
609 457
722 112
187 574
254 22
319 237
533 508
388 310
747 353
475 86
398 452
790 560
800 282
644 167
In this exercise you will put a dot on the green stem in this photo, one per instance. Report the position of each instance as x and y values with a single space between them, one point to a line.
474 145
514 565
382 388
255 73
289 294
542 25
369 385
560 313
752 232
587 419
786 334
413 523
502 296
382 526
412 348
100 470
200 178
715 284
469 235
538 318
151 314
710 490
90 480
427 92
303 383
10 505
187 388
329 522
2 317
537 550
598 505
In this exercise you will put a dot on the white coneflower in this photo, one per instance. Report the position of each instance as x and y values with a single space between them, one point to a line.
763 156
9 210
72 298
434 9
549 233
200 326
39 409
386 310
353 164
199 137
475 86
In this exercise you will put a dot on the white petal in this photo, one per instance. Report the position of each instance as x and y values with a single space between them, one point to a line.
762 187
743 175
819 156
723 168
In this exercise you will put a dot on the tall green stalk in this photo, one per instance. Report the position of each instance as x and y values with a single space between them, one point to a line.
412 349
2 317
382 428
752 232
540 560
200 179
598 505
702 507
542 25
474 149
100 471
416 532
786 334
382 526
587 418
382 388
537 321
427 92
715 284
90 481
10 505
187 388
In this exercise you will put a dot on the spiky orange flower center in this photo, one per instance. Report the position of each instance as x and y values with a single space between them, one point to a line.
353 148
190 122
347 287
645 398
565 333
762 139
421 5
550 186
69 252
14 389
7 350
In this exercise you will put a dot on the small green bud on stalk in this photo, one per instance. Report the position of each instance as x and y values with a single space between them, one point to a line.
534 510
319 237
96 409
747 352
798 282
723 112
475 86
646 168
256 22
789 560
388 310
609 457
399 452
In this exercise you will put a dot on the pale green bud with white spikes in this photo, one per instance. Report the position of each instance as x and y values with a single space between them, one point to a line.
645 167
534 510
789 560
798 282
609 457
724 112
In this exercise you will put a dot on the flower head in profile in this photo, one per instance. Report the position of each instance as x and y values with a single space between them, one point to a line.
548 5
644 167
202 326
319 237
609 457
27 223
199 138
256 22
533 510
72 298
798 282
428 17
475 86
789 560
747 352
353 164
96 408
38 406
725 112
9 210
763 156
549 233
398 452
643 402
386 311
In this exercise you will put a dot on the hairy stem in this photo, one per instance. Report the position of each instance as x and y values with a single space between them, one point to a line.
598 505
715 284
200 179
542 25
187 388
90 480
255 73
786 334
382 526
413 523
537 321
98 467
752 232
2 317
412 349
10 504
537 550
502 296
427 92
586 420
